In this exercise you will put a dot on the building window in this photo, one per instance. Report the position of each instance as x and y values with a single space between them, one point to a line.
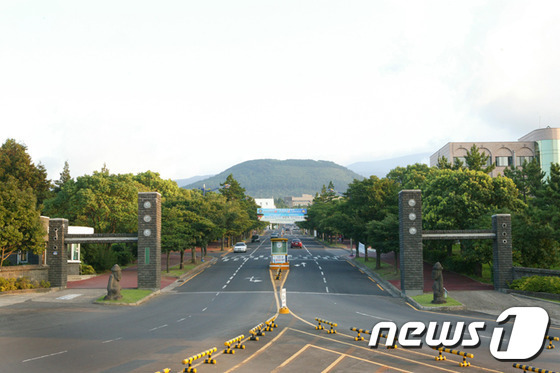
521 160
23 257
503 161
73 252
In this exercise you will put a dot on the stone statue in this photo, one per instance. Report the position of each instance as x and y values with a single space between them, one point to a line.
437 287
114 286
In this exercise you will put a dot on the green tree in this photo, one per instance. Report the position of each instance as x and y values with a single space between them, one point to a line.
64 178
21 228
16 163
478 161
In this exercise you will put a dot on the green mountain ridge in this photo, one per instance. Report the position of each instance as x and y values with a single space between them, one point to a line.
266 178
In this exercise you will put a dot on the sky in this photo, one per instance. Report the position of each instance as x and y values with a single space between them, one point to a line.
187 88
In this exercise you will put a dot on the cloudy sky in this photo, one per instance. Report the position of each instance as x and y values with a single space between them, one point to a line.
189 88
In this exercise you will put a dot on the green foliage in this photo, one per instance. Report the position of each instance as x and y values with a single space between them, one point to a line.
126 253
19 219
543 284
17 165
278 179
99 256
86 269
478 161
8 284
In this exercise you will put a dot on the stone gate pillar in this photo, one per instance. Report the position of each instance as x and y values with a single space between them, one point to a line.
410 238
149 240
57 259
503 261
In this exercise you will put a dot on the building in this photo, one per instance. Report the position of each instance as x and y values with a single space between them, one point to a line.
542 143
265 203
304 200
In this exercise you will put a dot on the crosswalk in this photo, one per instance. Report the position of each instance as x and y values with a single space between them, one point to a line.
237 257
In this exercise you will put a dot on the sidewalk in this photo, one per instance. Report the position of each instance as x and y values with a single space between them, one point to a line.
91 288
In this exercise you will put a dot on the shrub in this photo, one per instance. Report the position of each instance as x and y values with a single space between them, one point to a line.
86 269
8 284
542 284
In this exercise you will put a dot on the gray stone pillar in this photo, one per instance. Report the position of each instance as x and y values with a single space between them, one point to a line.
410 237
503 261
149 240
57 259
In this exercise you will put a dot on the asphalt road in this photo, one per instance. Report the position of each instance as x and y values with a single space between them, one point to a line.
226 300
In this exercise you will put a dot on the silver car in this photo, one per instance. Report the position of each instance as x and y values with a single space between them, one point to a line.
240 247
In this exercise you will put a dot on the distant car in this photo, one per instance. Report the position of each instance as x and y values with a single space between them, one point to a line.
296 242
275 235
240 247
255 238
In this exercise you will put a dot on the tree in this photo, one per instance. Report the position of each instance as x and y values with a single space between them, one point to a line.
478 161
466 199
16 163
21 228
64 178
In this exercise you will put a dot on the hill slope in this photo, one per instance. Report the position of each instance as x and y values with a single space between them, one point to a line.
265 178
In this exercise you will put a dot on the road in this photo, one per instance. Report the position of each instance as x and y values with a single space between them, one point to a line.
226 300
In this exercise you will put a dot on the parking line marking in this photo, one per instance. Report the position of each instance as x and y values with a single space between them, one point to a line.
44 356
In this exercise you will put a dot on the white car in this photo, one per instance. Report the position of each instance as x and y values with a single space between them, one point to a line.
240 247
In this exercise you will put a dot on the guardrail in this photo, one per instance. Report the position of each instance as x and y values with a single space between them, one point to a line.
550 339
321 327
465 355
208 360
228 344
527 368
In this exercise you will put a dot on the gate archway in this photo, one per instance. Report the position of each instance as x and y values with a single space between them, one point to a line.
411 236
148 238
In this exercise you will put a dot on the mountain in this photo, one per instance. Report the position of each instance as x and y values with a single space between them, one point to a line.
266 178
382 167
190 180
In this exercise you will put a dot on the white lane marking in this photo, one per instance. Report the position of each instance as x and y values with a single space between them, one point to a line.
204 309
327 289
322 274
69 296
375 317
112 340
324 280
44 356
158 327
183 319
223 287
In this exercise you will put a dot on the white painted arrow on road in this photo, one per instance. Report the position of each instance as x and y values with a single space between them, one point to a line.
253 279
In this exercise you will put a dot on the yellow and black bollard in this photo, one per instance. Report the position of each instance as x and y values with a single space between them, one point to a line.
270 324
188 361
527 368
256 332
359 331
321 327
550 346
237 340
465 355
278 274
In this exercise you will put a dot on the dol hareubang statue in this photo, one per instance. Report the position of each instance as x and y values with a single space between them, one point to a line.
114 286
437 287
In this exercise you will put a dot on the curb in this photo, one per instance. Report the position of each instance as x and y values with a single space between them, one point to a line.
185 277
395 292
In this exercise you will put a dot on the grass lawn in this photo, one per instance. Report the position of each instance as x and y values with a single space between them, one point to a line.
426 301
176 272
387 271
128 296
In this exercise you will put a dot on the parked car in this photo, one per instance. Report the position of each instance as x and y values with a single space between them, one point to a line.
255 238
296 242
240 247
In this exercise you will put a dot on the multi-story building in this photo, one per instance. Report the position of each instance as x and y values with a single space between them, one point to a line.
304 200
542 143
